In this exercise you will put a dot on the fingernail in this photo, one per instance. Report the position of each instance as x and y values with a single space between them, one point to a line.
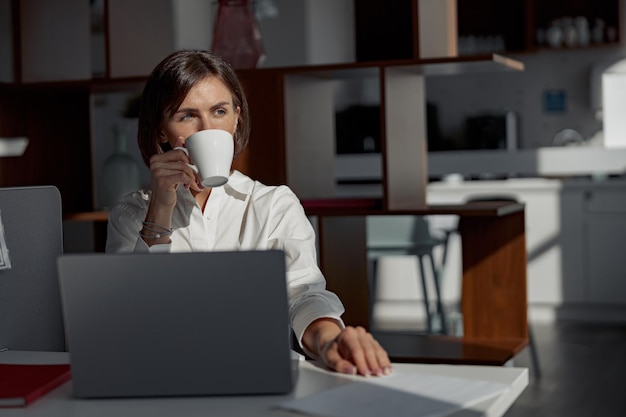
388 370
350 370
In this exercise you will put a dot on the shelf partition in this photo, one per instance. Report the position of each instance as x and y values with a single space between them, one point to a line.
307 95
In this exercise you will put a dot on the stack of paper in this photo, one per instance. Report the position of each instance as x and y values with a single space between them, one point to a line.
398 395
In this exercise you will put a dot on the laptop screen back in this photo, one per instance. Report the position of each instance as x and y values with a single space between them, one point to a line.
175 324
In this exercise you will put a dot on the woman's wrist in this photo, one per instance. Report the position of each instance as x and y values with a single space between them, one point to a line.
319 333
157 225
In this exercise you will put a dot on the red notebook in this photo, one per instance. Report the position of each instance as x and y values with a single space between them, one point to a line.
23 384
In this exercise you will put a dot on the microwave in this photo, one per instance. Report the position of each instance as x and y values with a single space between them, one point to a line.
492 131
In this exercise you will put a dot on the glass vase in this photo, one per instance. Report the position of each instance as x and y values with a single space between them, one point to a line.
120 172
237 37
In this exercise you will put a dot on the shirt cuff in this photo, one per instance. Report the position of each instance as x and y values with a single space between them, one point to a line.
142 247
160 248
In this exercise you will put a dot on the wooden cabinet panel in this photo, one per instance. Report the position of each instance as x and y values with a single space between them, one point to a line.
264 158
56 121
405 158
385 30
310 134
54 41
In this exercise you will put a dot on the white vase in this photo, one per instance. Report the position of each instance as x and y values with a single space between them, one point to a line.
120 172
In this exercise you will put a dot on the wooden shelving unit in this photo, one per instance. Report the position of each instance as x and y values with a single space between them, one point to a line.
292 143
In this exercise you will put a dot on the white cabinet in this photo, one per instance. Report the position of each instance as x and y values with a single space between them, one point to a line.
575 234
544 242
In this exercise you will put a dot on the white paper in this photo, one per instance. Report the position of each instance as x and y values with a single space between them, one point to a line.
398 395
5 261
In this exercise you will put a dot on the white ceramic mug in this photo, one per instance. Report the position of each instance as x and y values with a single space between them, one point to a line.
211 153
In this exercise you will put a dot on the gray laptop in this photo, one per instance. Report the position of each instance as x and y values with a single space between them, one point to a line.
177 324
31 240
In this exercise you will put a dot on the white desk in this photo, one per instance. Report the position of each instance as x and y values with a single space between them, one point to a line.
311 379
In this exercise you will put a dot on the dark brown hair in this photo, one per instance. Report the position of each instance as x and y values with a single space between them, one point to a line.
168 85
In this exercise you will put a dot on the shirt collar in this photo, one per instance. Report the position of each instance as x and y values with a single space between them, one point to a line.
240 183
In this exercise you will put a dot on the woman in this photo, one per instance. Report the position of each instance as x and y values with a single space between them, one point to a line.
195 90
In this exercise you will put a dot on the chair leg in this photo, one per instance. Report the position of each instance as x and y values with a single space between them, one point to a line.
372 287
425 291
440 311
534 357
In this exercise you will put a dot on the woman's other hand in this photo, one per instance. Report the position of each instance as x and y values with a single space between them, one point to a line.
351 350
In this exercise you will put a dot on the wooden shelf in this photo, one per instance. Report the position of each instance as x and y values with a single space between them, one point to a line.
428 66
88 216
374 206
95 85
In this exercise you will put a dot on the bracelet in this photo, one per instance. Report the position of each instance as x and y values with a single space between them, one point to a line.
157 236
149 226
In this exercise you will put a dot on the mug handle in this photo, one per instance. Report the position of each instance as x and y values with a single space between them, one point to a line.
193 167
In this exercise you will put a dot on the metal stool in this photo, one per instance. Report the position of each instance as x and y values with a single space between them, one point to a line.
410 235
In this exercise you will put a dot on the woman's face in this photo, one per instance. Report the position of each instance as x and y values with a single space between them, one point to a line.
208 105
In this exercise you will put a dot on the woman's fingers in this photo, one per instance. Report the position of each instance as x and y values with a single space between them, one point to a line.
355 348
357 345
333 359
170 169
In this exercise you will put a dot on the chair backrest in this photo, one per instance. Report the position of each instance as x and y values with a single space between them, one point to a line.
398 234
30 306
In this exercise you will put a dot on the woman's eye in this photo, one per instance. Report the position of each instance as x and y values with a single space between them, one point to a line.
186 116
220 112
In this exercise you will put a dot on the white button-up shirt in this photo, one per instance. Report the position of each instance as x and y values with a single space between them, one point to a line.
242 215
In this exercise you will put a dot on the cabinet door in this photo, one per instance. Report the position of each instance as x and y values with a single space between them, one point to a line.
606 268
606 233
